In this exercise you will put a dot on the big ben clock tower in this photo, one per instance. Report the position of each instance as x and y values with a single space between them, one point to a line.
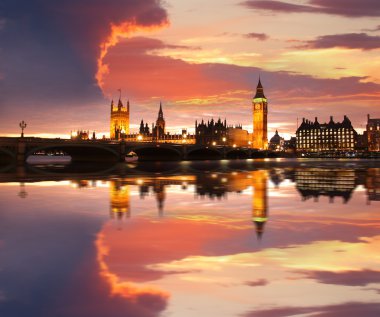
260 122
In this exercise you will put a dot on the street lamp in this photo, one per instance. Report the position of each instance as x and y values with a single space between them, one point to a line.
139 137
22 126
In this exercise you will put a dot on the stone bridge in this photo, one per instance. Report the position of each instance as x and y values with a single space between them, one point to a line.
19 149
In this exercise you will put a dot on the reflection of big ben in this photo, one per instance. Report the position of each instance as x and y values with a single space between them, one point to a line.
260 113
259 205
120 206
159 190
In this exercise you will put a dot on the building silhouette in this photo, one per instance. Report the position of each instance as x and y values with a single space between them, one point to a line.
159 129
212 132
144 129
373 134
331 136
119 120
260 119
276 142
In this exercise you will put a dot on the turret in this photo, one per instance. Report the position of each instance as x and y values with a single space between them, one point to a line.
119 105
160 112
112 105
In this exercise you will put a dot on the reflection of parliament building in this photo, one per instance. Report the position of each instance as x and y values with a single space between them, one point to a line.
210 185
372 183
312 183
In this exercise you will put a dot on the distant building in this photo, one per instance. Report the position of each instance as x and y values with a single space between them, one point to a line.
373 134
290 145
119 120
276 143
158 133
260 119
331 136
81 135
238 136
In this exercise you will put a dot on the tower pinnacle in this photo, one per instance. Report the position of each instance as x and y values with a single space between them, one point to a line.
259 90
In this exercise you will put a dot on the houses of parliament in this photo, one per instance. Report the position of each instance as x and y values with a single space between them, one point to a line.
212 132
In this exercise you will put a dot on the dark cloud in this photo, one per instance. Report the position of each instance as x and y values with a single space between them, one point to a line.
49 51
343 310
350 40
257 36
347 8
347 278
259 282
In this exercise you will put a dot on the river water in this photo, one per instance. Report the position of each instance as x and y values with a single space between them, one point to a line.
285 238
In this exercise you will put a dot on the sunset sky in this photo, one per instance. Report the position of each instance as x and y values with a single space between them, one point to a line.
61 62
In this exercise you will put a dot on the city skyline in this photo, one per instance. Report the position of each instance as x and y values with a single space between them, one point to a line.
201 60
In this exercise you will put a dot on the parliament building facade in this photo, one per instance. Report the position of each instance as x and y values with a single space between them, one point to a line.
313 136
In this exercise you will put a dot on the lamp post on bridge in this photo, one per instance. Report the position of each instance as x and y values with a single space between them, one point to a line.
22 126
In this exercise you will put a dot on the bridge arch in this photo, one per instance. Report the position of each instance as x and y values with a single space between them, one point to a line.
204 153
6 154
237 154
158 152
80 152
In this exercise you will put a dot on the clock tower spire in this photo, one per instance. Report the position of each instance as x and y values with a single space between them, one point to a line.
260 121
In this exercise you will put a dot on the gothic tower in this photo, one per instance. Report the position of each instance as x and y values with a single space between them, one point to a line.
259 203
159 129
260 113
119 120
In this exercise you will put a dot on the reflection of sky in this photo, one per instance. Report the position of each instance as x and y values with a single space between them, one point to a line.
62 254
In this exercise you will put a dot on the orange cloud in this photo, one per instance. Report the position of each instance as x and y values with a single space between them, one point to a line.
124 289
118 32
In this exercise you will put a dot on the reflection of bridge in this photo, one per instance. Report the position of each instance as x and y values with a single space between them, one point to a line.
19 149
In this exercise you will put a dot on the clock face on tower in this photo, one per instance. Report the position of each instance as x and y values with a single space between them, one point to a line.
257 107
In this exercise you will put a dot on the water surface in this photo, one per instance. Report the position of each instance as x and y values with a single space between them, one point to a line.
193 239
